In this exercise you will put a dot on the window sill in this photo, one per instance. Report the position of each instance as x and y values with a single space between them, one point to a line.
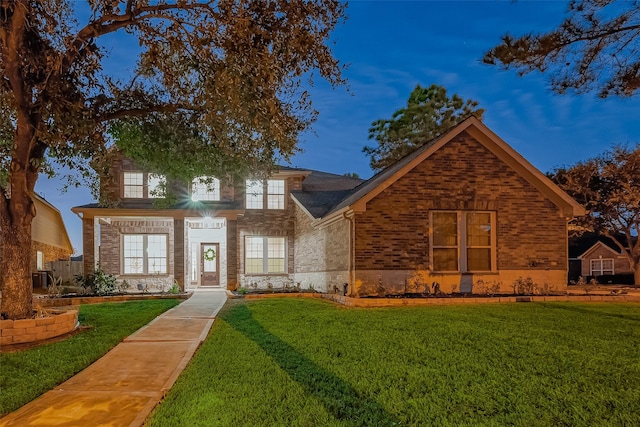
139 275
266 274
464 273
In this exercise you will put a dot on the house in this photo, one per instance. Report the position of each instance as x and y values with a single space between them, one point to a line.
49 240
462 209
596 256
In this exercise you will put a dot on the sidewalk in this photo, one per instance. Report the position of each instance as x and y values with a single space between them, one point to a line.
122 387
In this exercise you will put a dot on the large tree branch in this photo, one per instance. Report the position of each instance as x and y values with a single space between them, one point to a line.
140 112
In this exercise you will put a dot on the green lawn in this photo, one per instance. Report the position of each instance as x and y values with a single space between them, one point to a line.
287 362
27 374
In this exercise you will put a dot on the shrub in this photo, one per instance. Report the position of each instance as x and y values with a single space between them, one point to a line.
524 286
99 283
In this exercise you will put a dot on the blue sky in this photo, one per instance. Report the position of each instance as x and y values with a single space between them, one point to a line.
390 47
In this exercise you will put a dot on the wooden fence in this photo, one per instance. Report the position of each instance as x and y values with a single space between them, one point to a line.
67 270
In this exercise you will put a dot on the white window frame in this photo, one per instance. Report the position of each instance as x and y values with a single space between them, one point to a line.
266 254
601 270
265 194
39 260
205 188
146 258
461 241
148 185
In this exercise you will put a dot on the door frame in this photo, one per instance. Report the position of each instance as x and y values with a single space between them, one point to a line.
202 272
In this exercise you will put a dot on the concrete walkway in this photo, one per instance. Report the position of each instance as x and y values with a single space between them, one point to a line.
122 387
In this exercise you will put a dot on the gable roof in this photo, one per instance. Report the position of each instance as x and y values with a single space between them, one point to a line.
581 246
599 244
358 198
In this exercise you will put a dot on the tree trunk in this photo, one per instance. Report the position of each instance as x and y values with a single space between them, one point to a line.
636 274
17 211
15 258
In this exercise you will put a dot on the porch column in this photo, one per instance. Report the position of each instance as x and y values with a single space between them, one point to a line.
178 251
88 254
232 254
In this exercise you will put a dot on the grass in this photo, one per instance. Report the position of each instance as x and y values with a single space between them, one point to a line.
27 374
288 362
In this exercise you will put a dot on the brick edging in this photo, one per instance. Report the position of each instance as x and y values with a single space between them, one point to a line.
63 302
399 302
41 328
231 295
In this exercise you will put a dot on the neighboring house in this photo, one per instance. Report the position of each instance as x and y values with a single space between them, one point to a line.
596 256
49 240
463 208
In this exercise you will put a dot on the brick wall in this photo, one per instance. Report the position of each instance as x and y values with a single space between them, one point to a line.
88 241
393 233
111 187
268 222
49 254
111 249
179 252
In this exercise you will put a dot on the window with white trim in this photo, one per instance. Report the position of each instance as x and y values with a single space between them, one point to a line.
204 188
39 260
144 253
140 185
462 241
275 194
268 194
601 267
264 255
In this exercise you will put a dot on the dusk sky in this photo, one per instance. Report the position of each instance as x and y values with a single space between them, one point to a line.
390 47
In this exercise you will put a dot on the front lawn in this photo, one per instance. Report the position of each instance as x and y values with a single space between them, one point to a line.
27 374
282 362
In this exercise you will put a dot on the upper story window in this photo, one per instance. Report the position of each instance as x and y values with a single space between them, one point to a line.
463 241
268 194
205 188
140 185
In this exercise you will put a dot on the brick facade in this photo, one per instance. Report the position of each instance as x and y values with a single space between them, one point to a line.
49 254
111 250
268 223
373 235
392 235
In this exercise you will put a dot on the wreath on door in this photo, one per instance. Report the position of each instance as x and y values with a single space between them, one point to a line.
209 255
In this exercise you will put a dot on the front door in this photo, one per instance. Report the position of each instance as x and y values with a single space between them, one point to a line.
209 264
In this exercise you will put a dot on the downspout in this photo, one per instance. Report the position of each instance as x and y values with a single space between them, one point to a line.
352 251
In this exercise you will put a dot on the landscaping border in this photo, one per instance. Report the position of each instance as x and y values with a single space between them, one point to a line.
64 302
399 302
38 329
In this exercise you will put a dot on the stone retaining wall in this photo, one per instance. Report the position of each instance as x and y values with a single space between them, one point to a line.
29 330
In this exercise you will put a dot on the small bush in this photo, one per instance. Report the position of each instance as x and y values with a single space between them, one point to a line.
99 283
524 286
174 289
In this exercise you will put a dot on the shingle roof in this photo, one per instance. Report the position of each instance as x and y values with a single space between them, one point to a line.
386 177
319 205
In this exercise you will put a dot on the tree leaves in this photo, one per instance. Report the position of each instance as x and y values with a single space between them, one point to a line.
428 114
596 48
608 186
